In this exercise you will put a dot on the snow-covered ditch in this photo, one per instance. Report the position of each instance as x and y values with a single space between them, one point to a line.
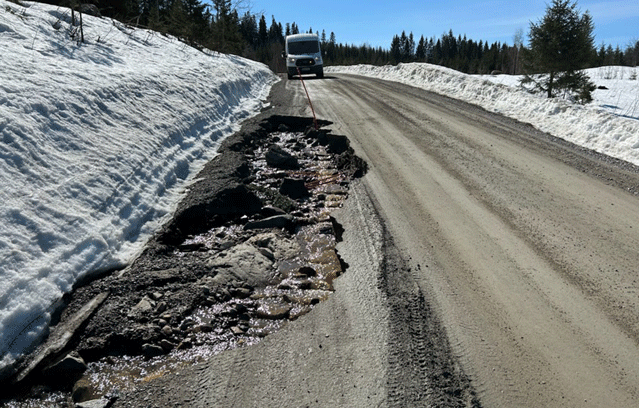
98 140
609 125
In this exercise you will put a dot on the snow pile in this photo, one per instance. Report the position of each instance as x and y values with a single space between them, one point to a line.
593 126
98 139
619 93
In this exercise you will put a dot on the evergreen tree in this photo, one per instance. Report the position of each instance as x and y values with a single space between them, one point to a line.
153 20
248 29
561 45
226 35
275 32
411 47
178 22
396 49
262 32
403 47
420 53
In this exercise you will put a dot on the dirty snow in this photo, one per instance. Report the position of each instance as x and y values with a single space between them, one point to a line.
98 142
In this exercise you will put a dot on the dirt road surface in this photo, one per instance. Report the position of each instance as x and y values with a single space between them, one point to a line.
489 265
527 247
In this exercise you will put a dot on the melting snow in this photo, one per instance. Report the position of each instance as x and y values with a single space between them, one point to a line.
98 141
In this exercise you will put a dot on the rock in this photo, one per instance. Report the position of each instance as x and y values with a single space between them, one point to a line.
167 330
273 310
188 322
267 253
156 296
307 271
293 188
337 144
69 368
160 278
237 330
240 308
96 403
325 228
305 284
284 286
166 345
185 344
269 211
236 309
334 189
245 263
300 311
152 350
223 295
282 248
321 285
312 129
263 240
240 293
276 221
281 159
84 391
204 328
161 308
62 334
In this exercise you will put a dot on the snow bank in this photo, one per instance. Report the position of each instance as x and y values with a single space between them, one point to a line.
592 126
98 139
617 93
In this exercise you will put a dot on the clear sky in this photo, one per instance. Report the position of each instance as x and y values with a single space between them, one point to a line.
375 22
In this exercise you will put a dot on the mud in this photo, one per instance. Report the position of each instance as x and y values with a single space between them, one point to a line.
250 248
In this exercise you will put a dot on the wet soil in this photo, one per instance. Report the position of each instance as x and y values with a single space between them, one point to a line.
250 248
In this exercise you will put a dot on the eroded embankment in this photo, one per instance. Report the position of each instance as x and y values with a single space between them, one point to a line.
251 247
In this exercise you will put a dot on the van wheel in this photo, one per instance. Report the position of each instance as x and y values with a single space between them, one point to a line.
289 76
320 74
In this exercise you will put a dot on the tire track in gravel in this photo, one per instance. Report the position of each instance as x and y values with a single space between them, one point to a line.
529 241
422 369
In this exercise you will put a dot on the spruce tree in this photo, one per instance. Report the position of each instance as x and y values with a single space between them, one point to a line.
561 46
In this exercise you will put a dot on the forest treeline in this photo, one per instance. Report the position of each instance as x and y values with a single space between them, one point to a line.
224 26
472 57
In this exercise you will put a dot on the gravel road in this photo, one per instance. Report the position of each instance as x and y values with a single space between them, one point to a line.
524 245
489 265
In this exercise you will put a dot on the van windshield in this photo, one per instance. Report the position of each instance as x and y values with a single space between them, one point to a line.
303 47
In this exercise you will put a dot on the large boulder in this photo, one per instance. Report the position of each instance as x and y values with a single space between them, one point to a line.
244 263
281 159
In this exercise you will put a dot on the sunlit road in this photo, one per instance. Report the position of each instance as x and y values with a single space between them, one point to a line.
527 248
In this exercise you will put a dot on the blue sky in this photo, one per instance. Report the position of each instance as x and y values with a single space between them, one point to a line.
375 22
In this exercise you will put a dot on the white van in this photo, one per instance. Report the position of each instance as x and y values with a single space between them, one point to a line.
303 51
